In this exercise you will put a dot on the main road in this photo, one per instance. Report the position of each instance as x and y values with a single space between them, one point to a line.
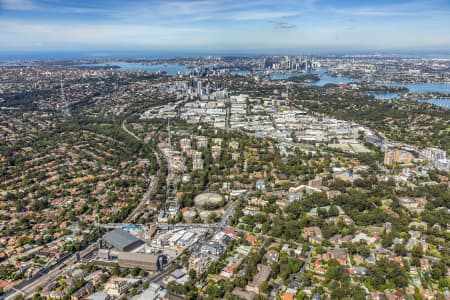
51 273
46 275
124 127
153 179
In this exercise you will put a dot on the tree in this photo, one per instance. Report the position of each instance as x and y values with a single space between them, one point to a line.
211 217
387 274
115 270
192 274
347 291
333 211
438 270
387 240
264 287
417 251
415 261
37 296
400 250
134 272
300 296
214 290
336 272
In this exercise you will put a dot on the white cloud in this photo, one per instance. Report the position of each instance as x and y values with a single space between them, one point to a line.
57 35
283 25
261 15
220 23
218 10
406 9
17 4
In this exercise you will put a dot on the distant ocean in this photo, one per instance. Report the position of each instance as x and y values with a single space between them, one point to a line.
30 56
160 54
174 68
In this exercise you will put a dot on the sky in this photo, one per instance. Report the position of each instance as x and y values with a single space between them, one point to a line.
224 25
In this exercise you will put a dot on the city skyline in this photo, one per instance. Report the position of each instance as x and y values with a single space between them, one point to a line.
190 26
171 149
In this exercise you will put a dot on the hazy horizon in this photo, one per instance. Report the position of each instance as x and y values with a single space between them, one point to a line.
6 56
223 26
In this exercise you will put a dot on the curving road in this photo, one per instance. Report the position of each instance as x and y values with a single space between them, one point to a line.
124 127
153 180
28 287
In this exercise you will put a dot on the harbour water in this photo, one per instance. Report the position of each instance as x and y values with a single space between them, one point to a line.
418 88
444 102
439 102
170 69
240 73
385 96
324 79
327 79
415 88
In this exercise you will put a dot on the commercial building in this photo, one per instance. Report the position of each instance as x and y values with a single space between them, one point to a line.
442 164
434 154
185 145
122 240
397 156
260 277
140 260
197 161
